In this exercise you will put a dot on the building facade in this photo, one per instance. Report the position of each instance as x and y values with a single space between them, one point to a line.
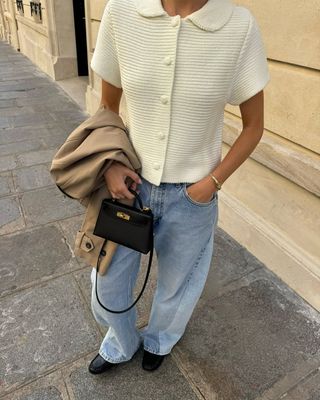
271 203
51 33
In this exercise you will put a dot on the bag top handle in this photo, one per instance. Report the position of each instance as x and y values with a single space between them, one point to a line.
138 197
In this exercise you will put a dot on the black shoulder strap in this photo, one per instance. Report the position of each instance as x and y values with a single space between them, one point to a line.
144 285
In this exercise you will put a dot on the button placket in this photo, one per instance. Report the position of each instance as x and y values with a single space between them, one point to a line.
168 60
164 99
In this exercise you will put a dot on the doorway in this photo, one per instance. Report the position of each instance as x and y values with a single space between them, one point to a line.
81 38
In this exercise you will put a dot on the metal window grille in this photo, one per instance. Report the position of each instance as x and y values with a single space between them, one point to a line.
35 9
20 5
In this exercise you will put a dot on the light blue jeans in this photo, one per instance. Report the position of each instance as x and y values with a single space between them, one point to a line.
183 242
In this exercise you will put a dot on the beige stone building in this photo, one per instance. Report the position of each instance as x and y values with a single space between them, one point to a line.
271 203
45 31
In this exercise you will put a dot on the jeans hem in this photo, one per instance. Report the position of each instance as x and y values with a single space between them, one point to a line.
121 359
151 350
109 359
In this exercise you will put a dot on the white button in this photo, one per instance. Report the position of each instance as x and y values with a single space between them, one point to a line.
164 99
161 135
175 20
156 165
167 60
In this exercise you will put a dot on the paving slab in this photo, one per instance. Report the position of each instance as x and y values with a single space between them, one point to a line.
35 157
6 184
17 59
64 104
42 92
55 142
32 256
23 71
69 227
129 381
57 139
226 269
23 133
49 393
53 205
243 341
4 122
22 85
5 103
33 177
21 147
304 374
31 119
308 389
42 328
65 115
45 103
6 76
14 110
10 95
7 163
11 218
48 387
54 128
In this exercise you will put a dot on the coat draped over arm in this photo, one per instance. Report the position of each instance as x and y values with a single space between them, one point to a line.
78 170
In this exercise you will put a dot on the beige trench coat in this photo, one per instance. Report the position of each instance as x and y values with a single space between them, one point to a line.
78 170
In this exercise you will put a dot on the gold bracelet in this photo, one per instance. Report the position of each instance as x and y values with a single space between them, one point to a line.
218 184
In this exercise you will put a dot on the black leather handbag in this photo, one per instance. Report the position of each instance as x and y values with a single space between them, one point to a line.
129 226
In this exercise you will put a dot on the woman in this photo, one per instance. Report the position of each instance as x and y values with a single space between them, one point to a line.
178 63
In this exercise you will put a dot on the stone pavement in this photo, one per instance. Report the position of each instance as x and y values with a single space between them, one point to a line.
250 338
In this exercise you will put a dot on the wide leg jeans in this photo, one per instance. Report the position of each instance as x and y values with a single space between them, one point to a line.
184 244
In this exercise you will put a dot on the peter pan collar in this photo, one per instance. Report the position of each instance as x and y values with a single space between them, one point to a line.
212 16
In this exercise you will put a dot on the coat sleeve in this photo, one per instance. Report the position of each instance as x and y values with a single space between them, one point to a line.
252 73
105 58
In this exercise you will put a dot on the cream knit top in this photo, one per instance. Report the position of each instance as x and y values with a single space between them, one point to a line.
177 75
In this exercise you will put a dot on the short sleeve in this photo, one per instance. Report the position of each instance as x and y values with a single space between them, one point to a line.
252 72
105 59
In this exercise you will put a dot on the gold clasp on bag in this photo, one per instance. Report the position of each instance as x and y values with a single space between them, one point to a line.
123 215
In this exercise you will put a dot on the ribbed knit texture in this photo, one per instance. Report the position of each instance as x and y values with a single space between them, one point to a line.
175 110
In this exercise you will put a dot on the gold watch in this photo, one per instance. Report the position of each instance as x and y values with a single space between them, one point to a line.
218 184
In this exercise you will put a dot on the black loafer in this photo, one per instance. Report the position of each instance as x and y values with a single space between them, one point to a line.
150 361
99 365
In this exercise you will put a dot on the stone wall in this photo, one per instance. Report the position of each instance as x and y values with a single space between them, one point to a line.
271 203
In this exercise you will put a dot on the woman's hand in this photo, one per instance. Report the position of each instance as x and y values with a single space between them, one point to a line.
115 178
202 191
